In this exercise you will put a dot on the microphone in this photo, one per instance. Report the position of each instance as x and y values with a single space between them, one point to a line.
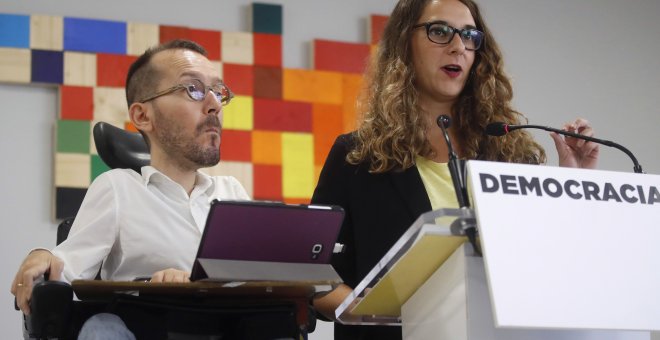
461 226
456 166
500 129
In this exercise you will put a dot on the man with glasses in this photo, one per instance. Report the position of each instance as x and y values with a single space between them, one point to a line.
149 224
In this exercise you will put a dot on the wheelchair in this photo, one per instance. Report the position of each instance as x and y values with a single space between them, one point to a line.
55 314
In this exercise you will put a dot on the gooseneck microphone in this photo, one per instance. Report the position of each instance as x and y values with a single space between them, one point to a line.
456 166
500 129
461 226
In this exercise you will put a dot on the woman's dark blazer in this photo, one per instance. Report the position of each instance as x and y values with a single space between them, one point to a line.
379 209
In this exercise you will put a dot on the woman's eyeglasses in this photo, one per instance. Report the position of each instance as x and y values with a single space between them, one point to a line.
441 33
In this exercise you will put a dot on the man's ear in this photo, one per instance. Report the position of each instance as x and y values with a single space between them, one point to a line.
141 116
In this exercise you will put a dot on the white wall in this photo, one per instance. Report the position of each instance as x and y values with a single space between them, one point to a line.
591 58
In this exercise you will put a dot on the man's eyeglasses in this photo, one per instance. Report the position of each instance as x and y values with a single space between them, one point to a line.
441 33
197 91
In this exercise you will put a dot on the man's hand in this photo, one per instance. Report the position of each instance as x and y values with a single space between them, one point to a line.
36 264
575 152
170 275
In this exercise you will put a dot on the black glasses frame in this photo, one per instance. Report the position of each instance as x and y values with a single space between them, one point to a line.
463 33
185 86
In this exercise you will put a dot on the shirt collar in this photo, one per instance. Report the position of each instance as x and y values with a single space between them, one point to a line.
203 182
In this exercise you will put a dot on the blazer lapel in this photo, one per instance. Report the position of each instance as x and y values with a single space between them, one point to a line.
410 186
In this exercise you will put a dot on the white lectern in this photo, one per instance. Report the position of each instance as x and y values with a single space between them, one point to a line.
568 254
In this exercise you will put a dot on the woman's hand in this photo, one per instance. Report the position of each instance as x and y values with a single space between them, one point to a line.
574 152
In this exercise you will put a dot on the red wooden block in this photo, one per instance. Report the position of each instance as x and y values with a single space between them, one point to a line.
167 33
236 145
210 40
239 78
267 182
77 103
268 82
377 27
340 56
279 115
267 49
111 69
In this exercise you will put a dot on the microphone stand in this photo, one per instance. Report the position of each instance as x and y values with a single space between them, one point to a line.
462 226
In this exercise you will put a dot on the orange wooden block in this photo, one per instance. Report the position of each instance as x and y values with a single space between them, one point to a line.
312 86
236 145
266 147
210 40
296 200
267 49
327 124
111 69
239 78
352 85
76 102
267 182
128 126
167 33
376 27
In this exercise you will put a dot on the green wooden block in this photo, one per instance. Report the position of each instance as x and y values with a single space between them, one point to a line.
98 166
73 136
266 18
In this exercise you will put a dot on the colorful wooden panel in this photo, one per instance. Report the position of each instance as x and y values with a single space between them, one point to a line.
276 132
46 32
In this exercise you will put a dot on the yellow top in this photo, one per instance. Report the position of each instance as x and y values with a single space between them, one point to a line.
438 184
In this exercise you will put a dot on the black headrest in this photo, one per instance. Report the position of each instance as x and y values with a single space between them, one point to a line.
119 148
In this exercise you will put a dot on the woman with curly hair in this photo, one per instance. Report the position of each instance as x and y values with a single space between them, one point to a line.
435 57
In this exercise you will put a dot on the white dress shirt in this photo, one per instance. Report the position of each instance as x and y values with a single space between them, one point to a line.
138 224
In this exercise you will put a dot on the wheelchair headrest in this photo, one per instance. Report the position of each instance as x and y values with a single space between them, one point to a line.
119 148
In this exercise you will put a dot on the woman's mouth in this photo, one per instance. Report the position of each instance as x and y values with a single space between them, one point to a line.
452 70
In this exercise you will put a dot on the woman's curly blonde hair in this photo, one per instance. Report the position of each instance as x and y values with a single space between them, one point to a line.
392 128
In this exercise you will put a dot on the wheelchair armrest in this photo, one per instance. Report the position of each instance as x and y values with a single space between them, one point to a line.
51 307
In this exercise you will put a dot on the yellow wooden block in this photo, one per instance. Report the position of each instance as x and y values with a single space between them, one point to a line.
243 172
79 69
218 66
267 147
15 65
110 106
139 37
46 32
312 86
297 165
72 170
239 114
237 48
